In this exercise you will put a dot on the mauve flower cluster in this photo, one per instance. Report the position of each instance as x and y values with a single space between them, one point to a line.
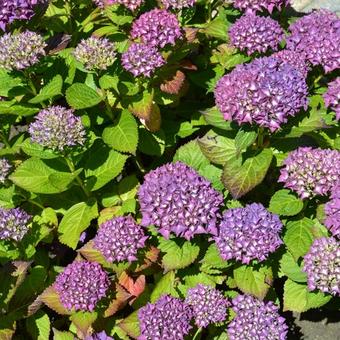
208 305
253 33
81 285
256 320
310 172
142 59
95 53
176 199
248 233
19 51
119 239
260 5
297 60
178 4
332 211
322 265
130 4
332 97
157 27
5 168
99 336
57 128
168 318
13 224
317 35
266 92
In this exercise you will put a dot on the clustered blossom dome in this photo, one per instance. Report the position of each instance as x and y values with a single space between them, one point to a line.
81 285
332 97
265 91
332 211
248 233
176 199
95 53
57 128
19 51
130 4
178 4
13 224
310 172
119 239
167 318
322 265
256 319
253 33
297 60
157 27
141 59
5 168
208 305
260 5
317 35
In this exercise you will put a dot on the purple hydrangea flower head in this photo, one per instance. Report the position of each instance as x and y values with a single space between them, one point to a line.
176 199
95 53
208 305
57 128
266 92
322 265
317 35
157 27
81 285
168 318
19 51
332 97
310 172
253 33
248 233
142 60
332 211
99 336
297 60
256 319
13 224
178 4
119 239
5 168
130 4
260 5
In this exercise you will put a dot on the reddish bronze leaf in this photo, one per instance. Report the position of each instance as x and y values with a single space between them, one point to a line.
174 83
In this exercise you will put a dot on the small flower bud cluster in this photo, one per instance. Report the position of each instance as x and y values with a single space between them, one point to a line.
13 224
5 168
332 97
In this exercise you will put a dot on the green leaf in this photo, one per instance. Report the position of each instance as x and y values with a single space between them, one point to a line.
243 140
7 197
52 89
166 285
239 177
7 82
36 150
123 135
217 28
130 325
141 104
75 221
51 299
44 326
152 144
214 117
213 174
284 203
58 335
17 109
83 321
80 96
213 260
291 269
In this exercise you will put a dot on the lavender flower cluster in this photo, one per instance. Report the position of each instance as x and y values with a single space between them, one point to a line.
5 168
248 233
99 336
57 128
297 60
13 224
256 319
176 199
119 239
310 172
81 285
322 265
332 97
332 211
266 92
260 5
130 4
253 33
178 4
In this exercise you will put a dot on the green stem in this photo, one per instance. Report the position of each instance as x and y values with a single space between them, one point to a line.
5 140
197 334
260 137
36 204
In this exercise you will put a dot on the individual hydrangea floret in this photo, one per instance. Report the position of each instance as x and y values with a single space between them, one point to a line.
310 172
57 128
13 224
178 4
81 285
167 318
130 4
99 336
332 97
157 27
19 51
119 239
260 5
252 33
176 199
322 265
142 60
208 305
265 91
297 60
317 35
95 53
256 319
5 168
332 211
248 233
